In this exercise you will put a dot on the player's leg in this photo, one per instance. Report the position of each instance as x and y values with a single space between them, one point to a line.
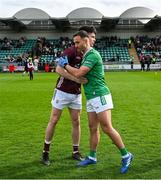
56 111
94 130
54 117
93 140
106 124
76 132
75 106
102 106
32 75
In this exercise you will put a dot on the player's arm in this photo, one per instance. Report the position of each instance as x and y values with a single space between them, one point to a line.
61 71
83 70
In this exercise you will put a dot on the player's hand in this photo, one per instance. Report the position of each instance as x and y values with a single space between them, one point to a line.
63 61
82 80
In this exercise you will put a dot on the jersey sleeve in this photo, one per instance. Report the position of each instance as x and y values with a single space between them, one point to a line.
89 61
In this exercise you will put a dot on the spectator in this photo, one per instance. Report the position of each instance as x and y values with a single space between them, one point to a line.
132 61
30 68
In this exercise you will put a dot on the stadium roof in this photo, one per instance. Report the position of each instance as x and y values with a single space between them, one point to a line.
33 17
138 12
84 12
143 14
84 15
31 13
27 15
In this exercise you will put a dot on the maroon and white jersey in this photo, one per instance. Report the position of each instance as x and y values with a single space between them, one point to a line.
30 66
74 59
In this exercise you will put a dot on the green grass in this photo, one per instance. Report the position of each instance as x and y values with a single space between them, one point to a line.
25 110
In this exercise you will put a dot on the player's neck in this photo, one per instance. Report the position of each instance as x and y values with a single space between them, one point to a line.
87 48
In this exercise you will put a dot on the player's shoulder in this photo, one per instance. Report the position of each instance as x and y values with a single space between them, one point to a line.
94 52
71 51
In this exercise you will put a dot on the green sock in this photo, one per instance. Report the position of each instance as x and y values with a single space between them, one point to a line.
92 154
123 151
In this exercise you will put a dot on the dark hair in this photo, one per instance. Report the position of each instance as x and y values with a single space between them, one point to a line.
82 34
88 29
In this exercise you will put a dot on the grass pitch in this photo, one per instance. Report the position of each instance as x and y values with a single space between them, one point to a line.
24 114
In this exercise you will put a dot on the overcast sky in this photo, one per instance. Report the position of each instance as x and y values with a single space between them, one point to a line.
60 8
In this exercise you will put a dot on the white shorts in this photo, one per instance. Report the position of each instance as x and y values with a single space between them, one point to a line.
62 99
100 103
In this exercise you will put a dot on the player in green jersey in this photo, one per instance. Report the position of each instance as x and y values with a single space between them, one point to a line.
99 100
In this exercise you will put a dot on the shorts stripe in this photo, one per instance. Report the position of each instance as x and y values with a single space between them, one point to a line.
100 103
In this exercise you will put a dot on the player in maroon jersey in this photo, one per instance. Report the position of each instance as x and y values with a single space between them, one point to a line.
67 94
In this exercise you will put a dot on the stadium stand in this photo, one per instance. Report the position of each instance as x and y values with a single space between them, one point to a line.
32 32
148 48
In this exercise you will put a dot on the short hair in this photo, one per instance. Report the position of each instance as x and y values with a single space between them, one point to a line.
88 29
81 33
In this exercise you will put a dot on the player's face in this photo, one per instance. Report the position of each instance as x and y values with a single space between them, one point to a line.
92 39
80 43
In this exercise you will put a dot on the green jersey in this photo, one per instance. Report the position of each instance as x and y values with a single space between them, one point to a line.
96 85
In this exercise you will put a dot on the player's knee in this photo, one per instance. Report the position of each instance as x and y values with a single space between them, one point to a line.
76 121
53 121
93 129
107 129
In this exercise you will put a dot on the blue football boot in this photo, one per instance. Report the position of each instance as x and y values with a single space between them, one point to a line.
87 161
126 163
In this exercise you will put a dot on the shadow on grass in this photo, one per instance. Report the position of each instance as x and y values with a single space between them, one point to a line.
58 169
35 169
67 169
